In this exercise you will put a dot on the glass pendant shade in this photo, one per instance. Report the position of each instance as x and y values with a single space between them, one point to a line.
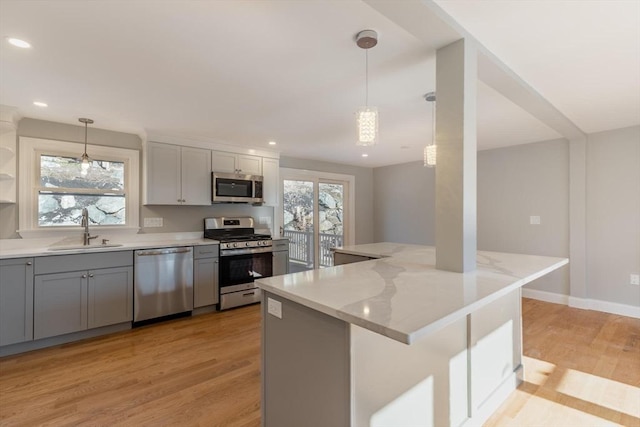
430 155
85 163
430 149
367 120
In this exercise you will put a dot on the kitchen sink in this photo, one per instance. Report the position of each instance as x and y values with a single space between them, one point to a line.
84 247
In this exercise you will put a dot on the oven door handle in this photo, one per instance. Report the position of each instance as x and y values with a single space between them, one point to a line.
245 251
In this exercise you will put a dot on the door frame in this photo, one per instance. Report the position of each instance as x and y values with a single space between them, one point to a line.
326 177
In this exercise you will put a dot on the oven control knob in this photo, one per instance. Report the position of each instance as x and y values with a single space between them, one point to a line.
235 245
247 244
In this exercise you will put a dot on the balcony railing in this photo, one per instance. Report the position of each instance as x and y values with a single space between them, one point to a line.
301 247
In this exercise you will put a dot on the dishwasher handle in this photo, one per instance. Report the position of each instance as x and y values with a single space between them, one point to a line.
163 252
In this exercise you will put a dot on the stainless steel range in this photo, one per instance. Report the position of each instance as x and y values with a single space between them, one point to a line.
244 257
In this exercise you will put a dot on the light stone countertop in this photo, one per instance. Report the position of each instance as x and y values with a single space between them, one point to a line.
401 295
19 248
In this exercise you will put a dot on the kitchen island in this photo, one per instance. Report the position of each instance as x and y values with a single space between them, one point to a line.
391 341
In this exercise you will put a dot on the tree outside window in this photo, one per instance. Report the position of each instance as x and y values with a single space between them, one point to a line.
64 191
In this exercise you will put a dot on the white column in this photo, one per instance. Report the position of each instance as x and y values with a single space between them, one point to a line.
456 81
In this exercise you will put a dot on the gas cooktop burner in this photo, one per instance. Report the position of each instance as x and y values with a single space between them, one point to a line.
244 238
235 234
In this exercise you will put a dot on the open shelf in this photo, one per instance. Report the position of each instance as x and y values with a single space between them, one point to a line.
7 201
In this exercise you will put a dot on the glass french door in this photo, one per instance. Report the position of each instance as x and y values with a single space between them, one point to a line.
313 219
298 209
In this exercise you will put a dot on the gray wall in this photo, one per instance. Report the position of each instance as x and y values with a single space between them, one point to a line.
189 218
515 183
404 204
613 215
364 190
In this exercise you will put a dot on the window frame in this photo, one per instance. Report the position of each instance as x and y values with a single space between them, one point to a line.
29 185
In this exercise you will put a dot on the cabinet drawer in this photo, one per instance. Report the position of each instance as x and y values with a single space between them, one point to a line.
206 251
78 262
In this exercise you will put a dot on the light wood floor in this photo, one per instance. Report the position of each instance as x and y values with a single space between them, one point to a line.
582 368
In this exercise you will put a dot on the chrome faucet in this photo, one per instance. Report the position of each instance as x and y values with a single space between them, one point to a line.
85 223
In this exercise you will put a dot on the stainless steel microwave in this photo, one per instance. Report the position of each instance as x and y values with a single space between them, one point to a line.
235 188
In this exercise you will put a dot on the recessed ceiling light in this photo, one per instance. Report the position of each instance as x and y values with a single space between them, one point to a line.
272 143
365 155
40 104
19 43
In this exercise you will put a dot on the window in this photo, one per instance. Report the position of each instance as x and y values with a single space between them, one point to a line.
54 189
65 190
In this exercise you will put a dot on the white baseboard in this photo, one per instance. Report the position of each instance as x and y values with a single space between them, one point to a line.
605 306
545 296
583 303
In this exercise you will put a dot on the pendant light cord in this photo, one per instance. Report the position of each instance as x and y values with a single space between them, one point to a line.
85 138
366 77
433 122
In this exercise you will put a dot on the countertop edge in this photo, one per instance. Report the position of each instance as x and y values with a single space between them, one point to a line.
130 246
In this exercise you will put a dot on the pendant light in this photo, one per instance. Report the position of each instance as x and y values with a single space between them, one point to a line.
367 117
85 160
430 149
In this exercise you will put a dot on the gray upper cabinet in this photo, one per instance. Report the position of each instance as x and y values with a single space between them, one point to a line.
16 300
222 161
70 301
175 175
205 275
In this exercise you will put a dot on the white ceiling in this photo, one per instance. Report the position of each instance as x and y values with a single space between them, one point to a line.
246 72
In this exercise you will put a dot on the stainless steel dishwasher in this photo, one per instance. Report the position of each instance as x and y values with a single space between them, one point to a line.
163 282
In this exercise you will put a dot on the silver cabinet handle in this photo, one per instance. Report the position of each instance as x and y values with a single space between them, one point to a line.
84 276
216 261
248 294
90 274
164 252
29 263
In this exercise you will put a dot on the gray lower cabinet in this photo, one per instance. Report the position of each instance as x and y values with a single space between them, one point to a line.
60 304
280 257
16 300
110 296
72 302
205 275
67 301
